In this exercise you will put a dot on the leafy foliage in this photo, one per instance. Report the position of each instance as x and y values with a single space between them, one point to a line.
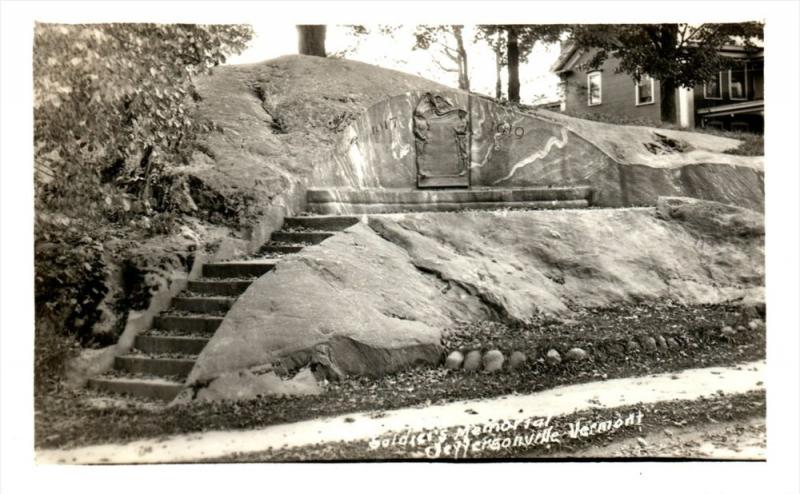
112 106
69 285
111 93
689 55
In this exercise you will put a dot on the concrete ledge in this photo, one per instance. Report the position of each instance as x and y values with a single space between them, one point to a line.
377 201
380 208
411 196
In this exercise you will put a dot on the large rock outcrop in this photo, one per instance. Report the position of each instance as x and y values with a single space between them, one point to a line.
375 298
711 218
297 121
624 165
354 304
275 120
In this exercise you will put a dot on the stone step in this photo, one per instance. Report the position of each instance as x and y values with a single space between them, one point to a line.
225 288
353 208
238 269
203 304
300 237
157 389
280 248
189 345
458 196
154 366
187 324
323 223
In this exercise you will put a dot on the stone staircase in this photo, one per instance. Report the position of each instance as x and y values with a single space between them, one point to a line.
163 357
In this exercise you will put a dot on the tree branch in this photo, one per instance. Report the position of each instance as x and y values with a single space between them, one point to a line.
653 34
450 51
452 57
693 31
446 69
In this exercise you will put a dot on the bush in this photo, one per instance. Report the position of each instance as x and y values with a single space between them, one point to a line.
112 106
54 348
70 276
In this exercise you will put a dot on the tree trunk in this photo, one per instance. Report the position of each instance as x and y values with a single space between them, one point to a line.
498 66
463 71
513 65
668 106
146 163
311 40
668 39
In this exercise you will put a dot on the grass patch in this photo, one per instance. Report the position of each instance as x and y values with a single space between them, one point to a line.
751 144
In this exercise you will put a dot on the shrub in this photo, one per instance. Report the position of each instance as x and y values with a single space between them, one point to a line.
112 101
70 275
112 105
54 347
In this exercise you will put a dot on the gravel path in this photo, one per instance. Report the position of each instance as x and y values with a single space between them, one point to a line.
737 440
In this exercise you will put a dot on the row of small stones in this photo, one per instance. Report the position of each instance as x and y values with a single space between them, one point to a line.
493 360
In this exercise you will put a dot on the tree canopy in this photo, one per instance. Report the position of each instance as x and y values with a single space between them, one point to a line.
113 94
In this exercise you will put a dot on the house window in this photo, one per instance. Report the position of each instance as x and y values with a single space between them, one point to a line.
595 84
713 89
645 91
737 82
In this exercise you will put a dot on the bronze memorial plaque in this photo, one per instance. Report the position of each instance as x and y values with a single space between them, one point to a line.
441 132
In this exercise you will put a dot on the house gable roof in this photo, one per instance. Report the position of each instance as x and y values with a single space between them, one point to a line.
567 58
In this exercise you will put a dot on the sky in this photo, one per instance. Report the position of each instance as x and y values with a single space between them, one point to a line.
395 51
